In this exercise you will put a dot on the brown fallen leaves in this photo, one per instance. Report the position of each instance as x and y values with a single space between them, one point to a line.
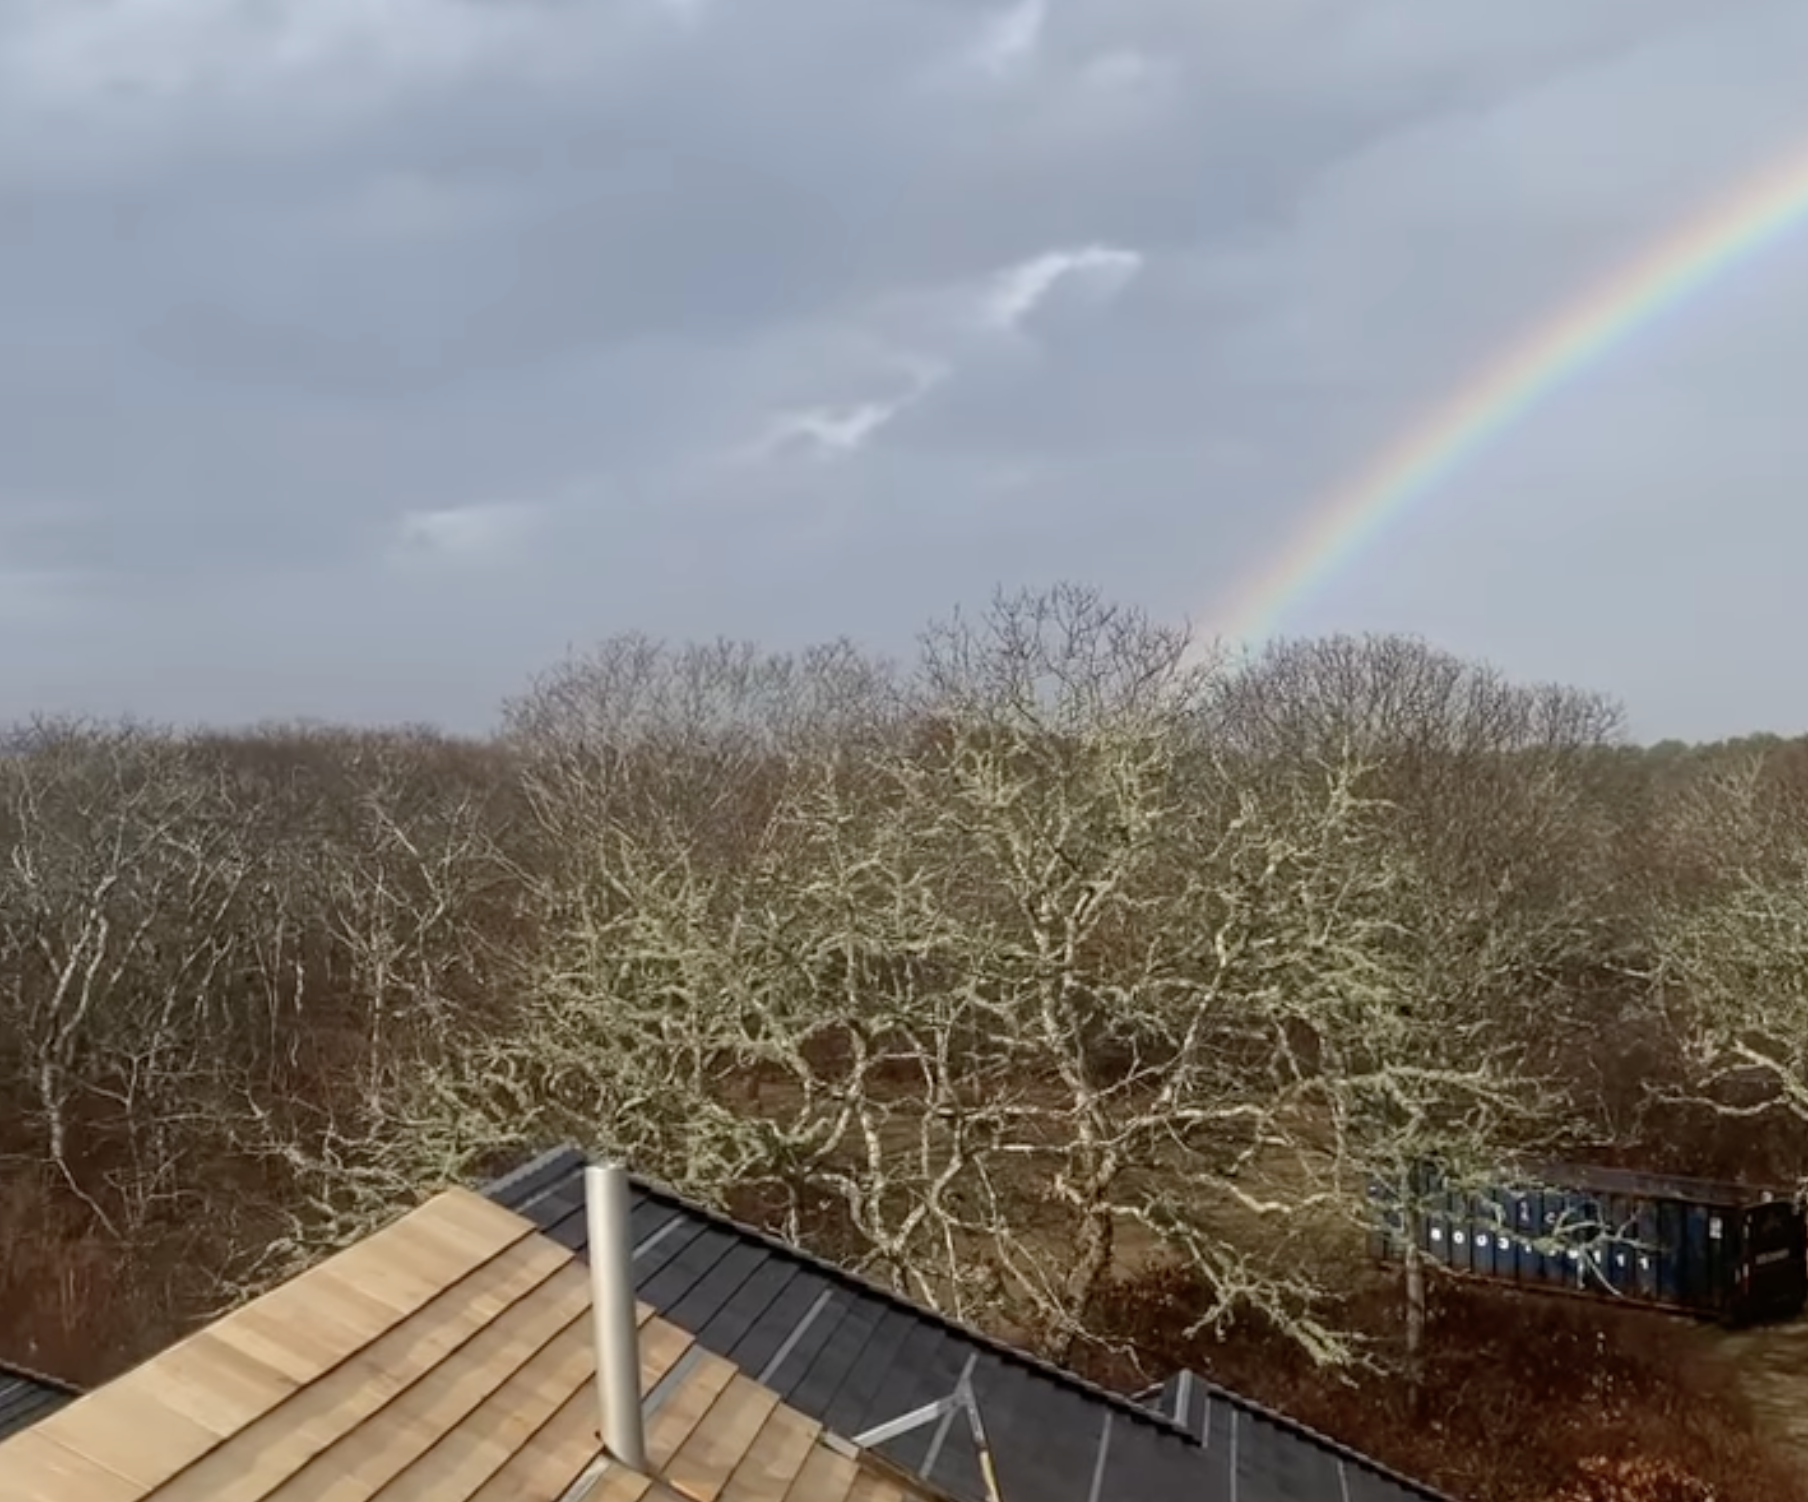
1628 1479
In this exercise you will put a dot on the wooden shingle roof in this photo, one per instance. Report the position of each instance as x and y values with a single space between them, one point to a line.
449 1355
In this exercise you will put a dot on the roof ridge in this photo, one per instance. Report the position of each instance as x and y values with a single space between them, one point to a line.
535 1174
32 1374
847 1277
539 1172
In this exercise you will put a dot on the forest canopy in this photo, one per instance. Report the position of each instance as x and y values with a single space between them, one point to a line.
1056 955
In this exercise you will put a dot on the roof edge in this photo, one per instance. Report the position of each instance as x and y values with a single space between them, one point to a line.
43 1379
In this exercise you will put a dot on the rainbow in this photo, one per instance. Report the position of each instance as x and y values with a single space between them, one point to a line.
1504 391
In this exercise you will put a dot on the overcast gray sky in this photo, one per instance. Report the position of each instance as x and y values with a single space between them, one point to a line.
357 356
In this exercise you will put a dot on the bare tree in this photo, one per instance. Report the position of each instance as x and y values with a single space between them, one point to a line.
1485 895
1732 943
984 979
1399 700
690 732
404 886
117 917
1428 1084
1116 917
392 939
734 1026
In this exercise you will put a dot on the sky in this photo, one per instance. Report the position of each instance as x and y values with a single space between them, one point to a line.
359 358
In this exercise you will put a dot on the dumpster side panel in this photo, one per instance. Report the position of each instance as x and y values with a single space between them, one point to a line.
1612 1238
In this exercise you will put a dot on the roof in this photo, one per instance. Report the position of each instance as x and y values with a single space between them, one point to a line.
1595 1178
449 1356
27 1396
923 1391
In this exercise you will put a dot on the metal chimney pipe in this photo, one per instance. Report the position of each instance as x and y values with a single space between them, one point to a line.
612 1311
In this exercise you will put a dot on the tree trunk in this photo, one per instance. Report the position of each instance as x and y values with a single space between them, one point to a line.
1414 1265
1092 1257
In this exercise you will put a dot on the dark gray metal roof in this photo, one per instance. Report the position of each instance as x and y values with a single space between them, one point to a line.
26 1397
922 1390
1596 1178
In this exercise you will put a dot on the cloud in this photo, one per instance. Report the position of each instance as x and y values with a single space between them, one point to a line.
1000 302
838 431
301 296
1009 39
480 532
115 88
829 431
1016 292
155 50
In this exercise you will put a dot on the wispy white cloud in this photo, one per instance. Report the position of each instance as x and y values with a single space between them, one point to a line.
833 431
829 431
960 321
1014 293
